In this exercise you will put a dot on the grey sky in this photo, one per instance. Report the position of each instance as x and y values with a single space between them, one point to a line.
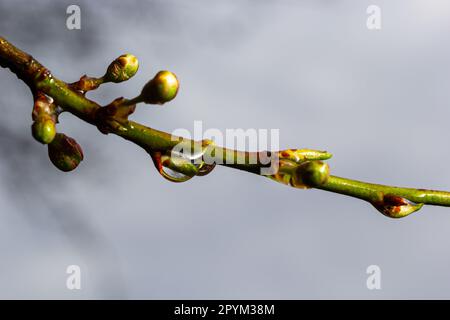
377 100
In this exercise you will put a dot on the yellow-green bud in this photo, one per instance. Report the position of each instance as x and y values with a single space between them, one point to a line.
162 88
65 153
43 130
312 173
122 69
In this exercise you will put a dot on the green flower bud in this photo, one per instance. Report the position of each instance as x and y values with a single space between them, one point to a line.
122 69
65 153
312 173
43 130
162 88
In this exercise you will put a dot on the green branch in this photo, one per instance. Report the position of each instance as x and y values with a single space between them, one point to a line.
176 158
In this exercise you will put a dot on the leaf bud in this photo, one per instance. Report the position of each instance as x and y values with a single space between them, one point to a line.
122 68
43 130
312 173
162 88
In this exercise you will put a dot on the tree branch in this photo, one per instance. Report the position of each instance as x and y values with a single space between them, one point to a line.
300 168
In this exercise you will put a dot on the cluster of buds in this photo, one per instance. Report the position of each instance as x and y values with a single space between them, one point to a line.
159 90
64 152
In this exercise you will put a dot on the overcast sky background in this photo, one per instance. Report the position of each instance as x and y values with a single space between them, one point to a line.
378 100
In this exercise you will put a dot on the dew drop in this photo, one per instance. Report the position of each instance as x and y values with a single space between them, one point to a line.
396 207
173 175
178 166
205 168
162 163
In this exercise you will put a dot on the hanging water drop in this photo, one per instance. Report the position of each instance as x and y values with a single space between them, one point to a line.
183 162
393 206
205 168
168 168
174 176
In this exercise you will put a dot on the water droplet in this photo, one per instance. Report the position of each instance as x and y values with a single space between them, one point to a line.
197 156
205 168
182 165
396 207
168 168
